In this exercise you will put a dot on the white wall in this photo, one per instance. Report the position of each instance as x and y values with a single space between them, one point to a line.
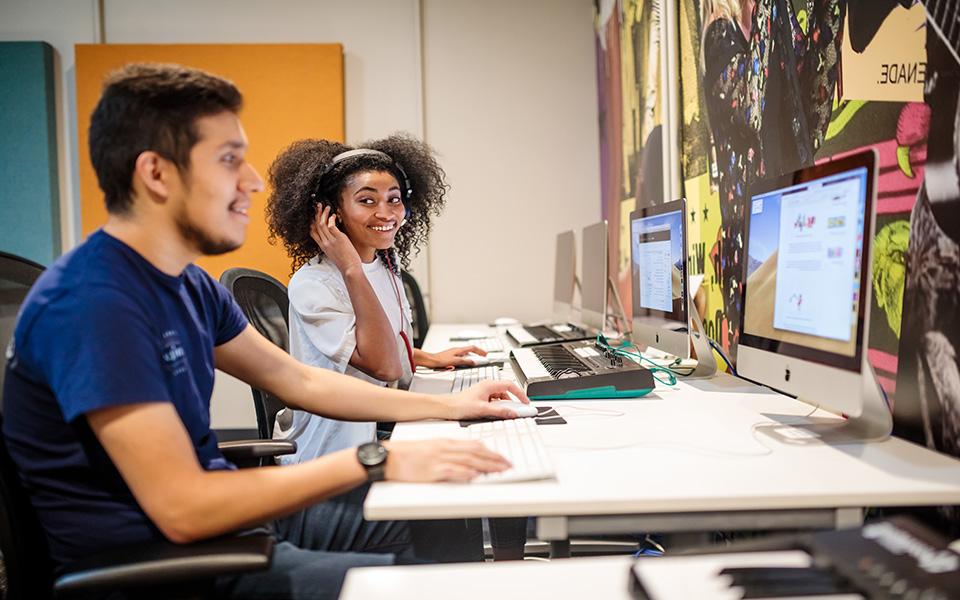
504 90
511 103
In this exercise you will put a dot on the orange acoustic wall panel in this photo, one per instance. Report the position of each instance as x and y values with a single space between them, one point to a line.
290 91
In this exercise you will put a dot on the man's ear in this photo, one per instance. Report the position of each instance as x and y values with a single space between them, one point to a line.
151 172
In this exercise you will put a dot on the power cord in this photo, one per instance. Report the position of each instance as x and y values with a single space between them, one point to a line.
719 350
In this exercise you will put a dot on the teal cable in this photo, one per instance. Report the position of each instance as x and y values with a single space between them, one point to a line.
671 376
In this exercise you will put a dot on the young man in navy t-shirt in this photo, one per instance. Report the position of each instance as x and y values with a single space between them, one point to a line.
111 368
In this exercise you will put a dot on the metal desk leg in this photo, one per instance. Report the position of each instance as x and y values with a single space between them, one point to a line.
560 549
849 517
554 531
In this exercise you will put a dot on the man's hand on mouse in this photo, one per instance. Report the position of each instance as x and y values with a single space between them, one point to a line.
475 402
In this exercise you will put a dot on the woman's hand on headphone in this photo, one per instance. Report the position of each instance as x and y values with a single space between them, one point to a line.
453 357
334 243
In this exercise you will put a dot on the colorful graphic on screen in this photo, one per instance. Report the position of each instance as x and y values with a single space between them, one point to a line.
804 248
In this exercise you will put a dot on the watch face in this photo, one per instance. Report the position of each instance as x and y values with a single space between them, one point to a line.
371 454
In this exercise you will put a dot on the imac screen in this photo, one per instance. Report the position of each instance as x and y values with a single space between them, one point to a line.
804 262
594 281
658 263
565 267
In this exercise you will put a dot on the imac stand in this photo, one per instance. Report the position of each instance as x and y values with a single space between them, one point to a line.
706 363
619 315
873 424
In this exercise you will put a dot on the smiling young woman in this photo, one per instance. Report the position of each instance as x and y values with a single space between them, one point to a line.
350 218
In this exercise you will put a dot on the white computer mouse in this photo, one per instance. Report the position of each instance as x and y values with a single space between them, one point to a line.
505 321
521 409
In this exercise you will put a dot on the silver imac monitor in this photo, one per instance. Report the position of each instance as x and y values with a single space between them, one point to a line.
564 276
807 289
593 283
658 271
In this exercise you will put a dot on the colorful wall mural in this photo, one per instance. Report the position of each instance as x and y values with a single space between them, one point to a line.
769 86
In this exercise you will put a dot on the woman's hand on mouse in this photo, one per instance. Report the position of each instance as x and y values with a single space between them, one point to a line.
452 357
334 243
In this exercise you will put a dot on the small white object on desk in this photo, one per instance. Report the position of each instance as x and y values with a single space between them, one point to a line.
505 321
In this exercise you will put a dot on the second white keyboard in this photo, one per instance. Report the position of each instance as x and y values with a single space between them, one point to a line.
464 378
518 441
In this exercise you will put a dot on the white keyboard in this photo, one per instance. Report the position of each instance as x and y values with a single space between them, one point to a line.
519 442
464 378
490 344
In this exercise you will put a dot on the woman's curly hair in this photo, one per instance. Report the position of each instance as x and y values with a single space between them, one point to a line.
299 181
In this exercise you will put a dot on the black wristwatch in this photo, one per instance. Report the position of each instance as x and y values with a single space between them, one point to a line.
373 457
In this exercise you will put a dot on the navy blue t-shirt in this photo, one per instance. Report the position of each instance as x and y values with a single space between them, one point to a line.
103 327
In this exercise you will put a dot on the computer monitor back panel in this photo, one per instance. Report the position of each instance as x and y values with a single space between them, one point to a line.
658 271
564 276
807 281
593 284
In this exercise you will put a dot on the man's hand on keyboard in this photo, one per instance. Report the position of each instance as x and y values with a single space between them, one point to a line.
454 357
475 402
441 460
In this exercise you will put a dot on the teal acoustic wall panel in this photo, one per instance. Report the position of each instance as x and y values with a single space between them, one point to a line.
29 188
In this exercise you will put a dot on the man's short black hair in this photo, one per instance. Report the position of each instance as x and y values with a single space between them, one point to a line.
151 107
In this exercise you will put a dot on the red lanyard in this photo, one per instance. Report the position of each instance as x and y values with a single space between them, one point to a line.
403 317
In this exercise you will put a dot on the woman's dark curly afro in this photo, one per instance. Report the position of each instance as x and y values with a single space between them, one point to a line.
295 181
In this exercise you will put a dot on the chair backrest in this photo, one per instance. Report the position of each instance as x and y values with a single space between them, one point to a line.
264 301
421 322
22 541
16 277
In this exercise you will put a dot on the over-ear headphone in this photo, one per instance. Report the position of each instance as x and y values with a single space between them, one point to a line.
406 190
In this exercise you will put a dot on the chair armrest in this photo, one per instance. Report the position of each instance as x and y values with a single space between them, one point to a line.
240 450
164 563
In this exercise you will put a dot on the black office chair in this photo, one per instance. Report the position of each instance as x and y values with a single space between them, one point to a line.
157 569
264 301
16 277
421 322
161 569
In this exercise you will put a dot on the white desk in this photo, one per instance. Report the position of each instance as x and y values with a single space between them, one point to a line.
603 577
682 459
